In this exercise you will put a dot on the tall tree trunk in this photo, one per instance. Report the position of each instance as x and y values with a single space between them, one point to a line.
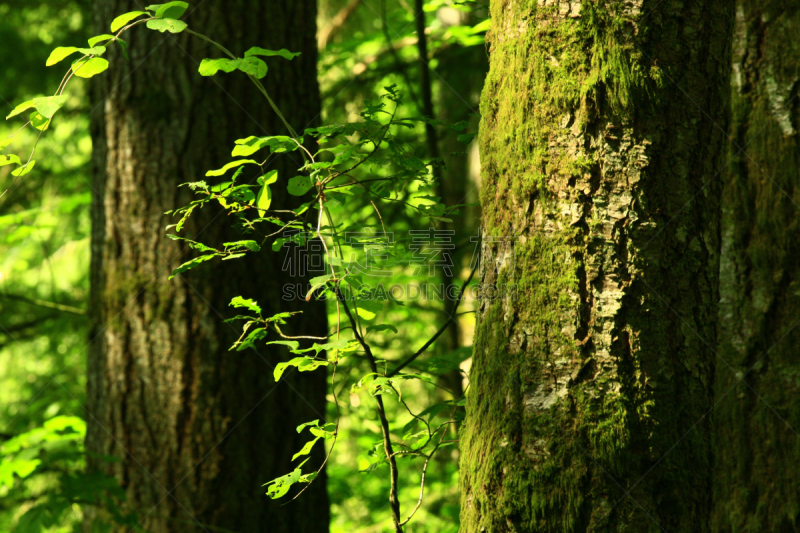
199 429
603 125
758 375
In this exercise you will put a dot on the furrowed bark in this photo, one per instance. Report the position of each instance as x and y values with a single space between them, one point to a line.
758 376
198 429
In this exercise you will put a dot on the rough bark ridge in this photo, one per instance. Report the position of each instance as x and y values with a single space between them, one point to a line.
199 429
758 376
603 125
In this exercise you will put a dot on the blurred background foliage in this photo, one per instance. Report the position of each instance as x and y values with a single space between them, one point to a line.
364 45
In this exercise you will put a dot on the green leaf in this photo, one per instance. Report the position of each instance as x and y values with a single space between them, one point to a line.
62 52
232 164
268 178
5 143
21 171
250 65
253 67
9 159
246 303
365 314
264 199
306 449
209 67
284 53
172 10
47 106
299 185
191 264
99 39
279 487
249 244
293 345
38 121
276 143
303 364
20 108
313 423
316 283
334 345
123 20
199 246
124 46
86 68
255 335
170 25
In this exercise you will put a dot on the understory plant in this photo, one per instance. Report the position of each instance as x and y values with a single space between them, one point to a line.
360 166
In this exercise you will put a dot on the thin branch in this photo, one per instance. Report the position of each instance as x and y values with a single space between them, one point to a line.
327 33
422 482
442 329
43 303
394 502
392 50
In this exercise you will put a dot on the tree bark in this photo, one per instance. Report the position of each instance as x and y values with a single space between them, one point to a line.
603 125
198 429
758 377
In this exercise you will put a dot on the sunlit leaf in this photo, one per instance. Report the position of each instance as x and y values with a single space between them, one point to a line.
252 66
87 68
123 20
10 159
191 264
38 121
171 10
99 39
21 171
232 164
170 25
306 449
209 67
303 364
284 53
246 303
280 486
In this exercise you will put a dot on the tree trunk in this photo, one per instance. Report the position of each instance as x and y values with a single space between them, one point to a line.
758 376
603 126
198 429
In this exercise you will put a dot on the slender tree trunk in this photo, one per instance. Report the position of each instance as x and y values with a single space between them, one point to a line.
758 375
198 429
603 125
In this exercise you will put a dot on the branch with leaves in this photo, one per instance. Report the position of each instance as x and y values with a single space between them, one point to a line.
362 163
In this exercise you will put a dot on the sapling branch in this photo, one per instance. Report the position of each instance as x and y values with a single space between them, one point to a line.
442 329
394 502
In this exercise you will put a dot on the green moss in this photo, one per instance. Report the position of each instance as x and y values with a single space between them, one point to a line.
545 446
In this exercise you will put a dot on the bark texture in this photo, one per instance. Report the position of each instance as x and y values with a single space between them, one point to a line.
603 126
198 429
758 374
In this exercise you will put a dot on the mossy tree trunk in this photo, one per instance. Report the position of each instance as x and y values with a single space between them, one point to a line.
758 375
198 429
603 125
